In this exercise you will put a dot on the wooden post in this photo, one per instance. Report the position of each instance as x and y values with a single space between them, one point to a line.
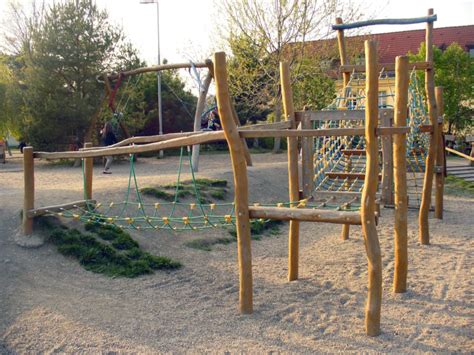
307 167
400 175
440 156
239 167
342 53
424 231
345 231
29 189
374 300
88 173
293 238
197 117
387 156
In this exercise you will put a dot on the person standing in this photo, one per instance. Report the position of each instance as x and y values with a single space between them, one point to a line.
108 138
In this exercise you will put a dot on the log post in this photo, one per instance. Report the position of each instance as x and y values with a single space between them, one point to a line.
387 168
293 185
29 189
197 117
88 174
374 299
424 231
307 167
345 231
400 175
239 167
440 156
342 53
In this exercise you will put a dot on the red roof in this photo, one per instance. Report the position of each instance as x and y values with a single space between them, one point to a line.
399 43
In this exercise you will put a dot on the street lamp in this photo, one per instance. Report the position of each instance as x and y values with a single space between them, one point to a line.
158 73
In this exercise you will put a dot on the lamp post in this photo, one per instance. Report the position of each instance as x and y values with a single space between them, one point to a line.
158 73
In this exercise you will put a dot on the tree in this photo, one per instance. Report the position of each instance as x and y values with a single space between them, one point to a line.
278 30
454 71
57 67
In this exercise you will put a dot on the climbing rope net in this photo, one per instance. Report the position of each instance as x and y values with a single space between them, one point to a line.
345 154
136 212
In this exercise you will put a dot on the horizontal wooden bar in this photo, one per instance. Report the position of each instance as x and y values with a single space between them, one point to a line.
200 138
385 21
157 68
343 175
193 138
340 115
462 155
145 139
274 125
305 214
338 193
427 128
355 151
58 208
388 67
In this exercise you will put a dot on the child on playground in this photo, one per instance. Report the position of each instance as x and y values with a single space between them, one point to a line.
108 138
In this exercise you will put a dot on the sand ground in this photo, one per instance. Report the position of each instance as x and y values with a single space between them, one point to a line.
49 303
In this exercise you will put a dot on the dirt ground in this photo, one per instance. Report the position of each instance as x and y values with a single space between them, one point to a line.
49 303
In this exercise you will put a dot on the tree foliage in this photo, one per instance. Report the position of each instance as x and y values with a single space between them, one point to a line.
262 33
454 71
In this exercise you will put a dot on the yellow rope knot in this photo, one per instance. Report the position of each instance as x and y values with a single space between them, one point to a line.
302 203
111 204
166 220
228 218
279 204
206 220
192 206
76 216
157 205
139 206
212 206
186 220
110 220
129 220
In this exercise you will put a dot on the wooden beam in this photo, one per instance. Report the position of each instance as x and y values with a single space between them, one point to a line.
192 138
440 156
386 67
349 176
274 125
374 257
157 68
28 189
400 177
305 214
339 115
307 164
424 232
59 208
239 166
293 180
462 155
387 163
341 44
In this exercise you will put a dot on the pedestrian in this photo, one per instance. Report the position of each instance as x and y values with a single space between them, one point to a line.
108 138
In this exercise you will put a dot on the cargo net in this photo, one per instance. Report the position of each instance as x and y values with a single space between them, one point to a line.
339 162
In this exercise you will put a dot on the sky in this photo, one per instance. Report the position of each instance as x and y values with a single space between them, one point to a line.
188 27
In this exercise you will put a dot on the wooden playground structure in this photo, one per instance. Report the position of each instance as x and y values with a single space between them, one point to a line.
390 134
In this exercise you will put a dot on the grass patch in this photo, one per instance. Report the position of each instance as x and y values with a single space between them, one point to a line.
258 229
209 190
457 186
105 249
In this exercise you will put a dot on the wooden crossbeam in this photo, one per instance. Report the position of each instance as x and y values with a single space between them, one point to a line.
59 208
350 176
305 214
385 67
340 115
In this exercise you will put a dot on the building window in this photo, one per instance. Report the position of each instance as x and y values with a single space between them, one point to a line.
471 52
